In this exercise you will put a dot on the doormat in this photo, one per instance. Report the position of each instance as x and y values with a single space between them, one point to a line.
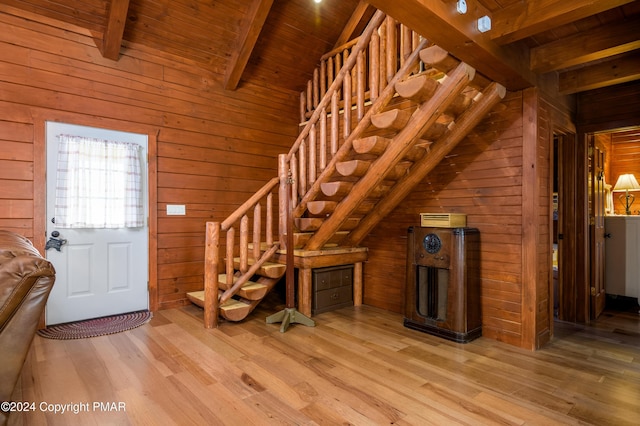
96 327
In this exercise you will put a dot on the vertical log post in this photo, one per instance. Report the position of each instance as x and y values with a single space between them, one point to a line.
211 258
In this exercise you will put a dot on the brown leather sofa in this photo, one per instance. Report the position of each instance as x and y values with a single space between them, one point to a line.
26 279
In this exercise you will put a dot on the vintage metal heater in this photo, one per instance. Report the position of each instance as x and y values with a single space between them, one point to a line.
442 292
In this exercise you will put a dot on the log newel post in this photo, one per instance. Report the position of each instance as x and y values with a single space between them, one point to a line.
212 256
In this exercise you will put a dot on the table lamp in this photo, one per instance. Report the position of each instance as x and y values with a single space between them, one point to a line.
626 183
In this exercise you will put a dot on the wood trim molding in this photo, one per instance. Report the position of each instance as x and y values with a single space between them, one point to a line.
39 183
530 194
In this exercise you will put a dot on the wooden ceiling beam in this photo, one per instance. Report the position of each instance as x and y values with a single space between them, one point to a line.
458 34
598 43
352 24
615 71
249 33
525 18
114 29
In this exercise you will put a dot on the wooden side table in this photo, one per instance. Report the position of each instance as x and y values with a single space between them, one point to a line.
307 260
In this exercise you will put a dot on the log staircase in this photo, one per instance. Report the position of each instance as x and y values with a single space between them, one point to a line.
380 113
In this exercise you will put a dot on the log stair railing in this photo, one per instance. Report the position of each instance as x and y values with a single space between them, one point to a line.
411 104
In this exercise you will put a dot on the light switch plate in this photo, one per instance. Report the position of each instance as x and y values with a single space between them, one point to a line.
176 210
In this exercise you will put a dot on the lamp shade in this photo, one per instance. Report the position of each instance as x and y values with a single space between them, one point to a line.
627 182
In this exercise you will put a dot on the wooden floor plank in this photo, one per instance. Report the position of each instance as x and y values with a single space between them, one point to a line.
358 365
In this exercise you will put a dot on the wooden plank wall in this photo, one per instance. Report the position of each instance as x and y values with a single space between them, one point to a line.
482 178
544 182
214 148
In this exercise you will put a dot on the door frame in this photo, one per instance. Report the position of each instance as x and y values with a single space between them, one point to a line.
40 191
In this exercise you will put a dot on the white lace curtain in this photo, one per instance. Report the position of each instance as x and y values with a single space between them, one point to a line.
98 184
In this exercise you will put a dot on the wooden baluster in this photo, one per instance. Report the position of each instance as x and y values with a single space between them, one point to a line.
346 102
257 228
416 39
335 123
268 228
231 236
330 73
244 244
302 164
374 66
338 66
309 97
282 201
360 82
313 155
354 76
323 139
303 107
406 43
382 58
211 258
392 52
295 175
323 78
316 88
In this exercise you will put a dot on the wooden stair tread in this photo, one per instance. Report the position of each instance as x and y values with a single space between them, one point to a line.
301 238
336 188
437 129
250 290
313 223
395 119
371 145
321 207
353 167
197 297
418 88
438 58
268 269
235 310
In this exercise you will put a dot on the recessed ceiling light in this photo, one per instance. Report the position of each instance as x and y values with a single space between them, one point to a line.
317 1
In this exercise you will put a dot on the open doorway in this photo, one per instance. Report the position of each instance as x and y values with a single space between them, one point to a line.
586 267
615 230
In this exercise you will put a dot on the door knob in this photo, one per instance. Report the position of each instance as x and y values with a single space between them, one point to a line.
607 235
54 242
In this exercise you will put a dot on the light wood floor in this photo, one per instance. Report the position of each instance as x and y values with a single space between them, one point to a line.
357 366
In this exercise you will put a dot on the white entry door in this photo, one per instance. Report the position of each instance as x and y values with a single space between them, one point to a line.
99 271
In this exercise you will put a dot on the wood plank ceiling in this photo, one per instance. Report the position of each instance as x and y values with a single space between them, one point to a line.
587 44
